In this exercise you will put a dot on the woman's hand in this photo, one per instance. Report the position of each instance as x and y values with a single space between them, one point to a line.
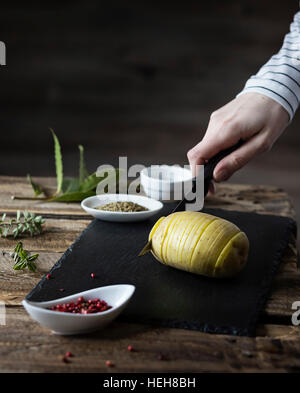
253 117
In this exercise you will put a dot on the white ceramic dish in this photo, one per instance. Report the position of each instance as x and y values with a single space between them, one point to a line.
90 203
64 323
166 183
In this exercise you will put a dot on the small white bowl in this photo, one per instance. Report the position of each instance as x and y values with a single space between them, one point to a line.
65 323
165 182
90 203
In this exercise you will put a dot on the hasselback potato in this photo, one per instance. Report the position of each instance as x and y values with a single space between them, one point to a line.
199 243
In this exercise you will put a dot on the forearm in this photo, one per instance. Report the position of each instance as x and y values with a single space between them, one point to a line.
279 78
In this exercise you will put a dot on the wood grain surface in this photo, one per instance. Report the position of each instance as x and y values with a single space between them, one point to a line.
26 346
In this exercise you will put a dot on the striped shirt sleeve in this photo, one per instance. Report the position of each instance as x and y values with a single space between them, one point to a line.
279 78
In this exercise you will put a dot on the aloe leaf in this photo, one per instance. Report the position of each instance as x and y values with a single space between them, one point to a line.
36 188
58 163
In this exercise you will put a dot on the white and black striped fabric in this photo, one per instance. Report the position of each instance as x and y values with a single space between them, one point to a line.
279 78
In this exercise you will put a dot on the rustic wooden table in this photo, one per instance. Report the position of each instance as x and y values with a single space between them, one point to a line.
27 347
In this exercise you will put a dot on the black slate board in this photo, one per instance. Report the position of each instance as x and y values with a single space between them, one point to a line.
167 296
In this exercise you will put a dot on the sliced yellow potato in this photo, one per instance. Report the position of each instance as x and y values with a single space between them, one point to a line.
233 257
192 239
210 245
174 242
160 235
186 230
171 232
199 243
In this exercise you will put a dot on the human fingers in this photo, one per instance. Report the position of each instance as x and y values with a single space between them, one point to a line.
258 144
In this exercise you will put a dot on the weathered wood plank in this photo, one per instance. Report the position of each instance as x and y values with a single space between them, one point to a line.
19 186
14 285
260 199
251 198
27 347
57 236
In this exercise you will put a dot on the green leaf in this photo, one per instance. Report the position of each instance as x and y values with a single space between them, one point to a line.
58 162
33 257
31 266
70 184
16 232
36 188
90 183
19 265
23 258
83 173
76 196
86 189
18 247
39 219
5 231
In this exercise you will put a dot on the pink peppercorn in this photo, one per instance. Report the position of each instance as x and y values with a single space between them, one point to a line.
82 306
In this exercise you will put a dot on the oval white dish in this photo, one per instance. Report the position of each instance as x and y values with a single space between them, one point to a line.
90 203
117 296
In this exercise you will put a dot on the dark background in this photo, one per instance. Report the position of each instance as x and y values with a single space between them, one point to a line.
136 78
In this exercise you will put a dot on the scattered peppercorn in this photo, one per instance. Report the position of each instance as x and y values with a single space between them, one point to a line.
61 289
93 275
161 357
82 306
69 354
65 359
130 348
109 363
48 276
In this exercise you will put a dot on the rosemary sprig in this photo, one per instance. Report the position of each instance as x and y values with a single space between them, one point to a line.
23 258
28 224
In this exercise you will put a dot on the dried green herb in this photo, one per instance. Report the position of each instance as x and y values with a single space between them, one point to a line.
23 258
28 224
122 207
